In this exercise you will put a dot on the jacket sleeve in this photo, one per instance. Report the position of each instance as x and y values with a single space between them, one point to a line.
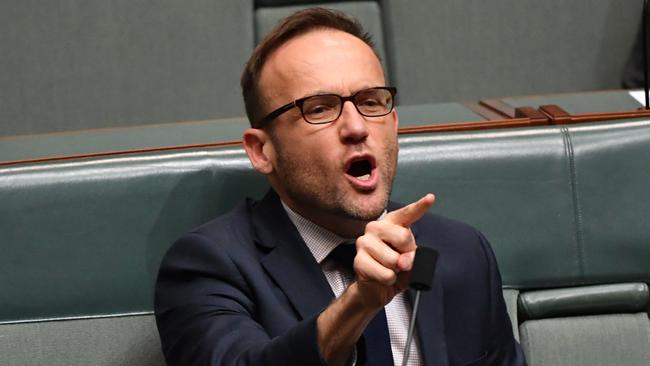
206 316
504 349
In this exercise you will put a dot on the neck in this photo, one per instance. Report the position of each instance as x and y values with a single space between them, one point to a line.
337 223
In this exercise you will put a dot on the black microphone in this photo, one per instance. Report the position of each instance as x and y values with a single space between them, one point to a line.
424 265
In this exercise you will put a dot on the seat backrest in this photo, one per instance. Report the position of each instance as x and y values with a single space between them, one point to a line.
98 64
566 195
450 50
70 65
369 14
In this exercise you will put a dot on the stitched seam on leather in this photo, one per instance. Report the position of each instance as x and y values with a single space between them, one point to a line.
577 211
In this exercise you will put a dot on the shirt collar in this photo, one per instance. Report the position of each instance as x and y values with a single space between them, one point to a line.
319 240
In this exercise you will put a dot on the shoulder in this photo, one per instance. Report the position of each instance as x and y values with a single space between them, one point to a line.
220 237
236 222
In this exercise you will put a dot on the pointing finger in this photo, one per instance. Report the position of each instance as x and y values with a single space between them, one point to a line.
409 214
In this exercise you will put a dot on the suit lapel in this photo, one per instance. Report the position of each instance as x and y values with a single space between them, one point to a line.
430 323
288 260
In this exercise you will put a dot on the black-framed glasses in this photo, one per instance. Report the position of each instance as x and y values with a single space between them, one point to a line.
326 108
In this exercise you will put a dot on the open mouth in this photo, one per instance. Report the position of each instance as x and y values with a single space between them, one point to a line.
360 169
362 172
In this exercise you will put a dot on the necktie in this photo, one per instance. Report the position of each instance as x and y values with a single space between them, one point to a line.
374 349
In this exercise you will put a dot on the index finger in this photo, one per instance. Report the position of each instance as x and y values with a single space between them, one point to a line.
409 214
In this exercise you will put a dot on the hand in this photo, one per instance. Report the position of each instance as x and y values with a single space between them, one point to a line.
385 253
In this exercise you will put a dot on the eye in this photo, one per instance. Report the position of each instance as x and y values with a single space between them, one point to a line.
370 105
373 102
320 108
370 102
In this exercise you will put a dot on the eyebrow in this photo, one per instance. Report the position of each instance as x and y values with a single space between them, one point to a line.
318 92
324 92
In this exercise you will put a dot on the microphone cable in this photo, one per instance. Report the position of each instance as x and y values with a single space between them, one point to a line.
424 265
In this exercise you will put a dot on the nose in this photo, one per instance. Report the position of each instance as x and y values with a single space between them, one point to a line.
353 127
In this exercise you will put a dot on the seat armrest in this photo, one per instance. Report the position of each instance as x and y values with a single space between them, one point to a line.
586 300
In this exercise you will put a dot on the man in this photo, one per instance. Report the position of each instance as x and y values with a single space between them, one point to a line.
257 286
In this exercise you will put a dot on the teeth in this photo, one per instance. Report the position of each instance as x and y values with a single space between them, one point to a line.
364 177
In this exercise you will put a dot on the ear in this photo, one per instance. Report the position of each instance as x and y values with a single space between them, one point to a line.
259 149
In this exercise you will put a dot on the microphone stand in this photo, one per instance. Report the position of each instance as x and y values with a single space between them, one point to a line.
409 338
424 265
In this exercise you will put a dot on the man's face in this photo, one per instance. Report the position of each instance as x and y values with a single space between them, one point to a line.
344 168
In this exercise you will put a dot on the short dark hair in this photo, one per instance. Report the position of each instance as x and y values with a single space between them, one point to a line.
294 25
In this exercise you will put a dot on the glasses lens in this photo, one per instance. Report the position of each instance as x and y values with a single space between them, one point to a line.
374 102
321 108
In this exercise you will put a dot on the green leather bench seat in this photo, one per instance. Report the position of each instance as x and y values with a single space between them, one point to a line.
558 203
563 206
514 185
85 237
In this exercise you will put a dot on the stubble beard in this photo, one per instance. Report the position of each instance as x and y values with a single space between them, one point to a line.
308 183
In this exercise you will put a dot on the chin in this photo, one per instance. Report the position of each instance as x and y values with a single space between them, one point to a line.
366 208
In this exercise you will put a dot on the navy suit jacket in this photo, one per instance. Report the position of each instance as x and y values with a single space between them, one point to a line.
244 289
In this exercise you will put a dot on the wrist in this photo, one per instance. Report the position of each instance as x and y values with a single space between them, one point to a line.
342 323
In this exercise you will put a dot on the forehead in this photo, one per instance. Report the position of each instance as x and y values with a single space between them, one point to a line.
318 61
